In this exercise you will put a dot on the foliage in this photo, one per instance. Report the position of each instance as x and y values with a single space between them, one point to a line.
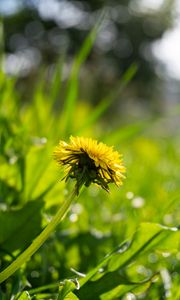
121 245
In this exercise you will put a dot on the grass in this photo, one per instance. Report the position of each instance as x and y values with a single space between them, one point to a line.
125 242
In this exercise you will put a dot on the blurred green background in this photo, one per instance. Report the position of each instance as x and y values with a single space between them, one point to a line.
38 32
98 69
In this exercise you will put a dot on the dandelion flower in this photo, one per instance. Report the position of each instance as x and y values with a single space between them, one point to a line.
88 161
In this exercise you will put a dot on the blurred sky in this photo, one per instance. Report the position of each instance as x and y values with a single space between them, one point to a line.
165 50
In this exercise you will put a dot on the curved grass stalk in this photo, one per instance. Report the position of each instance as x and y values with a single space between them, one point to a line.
39 240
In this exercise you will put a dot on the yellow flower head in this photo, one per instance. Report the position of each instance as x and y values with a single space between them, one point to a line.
88 162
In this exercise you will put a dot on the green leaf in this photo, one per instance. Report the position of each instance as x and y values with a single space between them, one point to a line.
106 102
128 132
148 236
19 227
71 296
108 284
57 80
105 277
72 86
65 290
23 296
2 296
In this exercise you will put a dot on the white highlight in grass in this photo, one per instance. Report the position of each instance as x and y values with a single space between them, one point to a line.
138 202
129 296
166 278
168 219
73 218
129 195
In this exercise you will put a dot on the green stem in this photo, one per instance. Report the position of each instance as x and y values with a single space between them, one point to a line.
37 243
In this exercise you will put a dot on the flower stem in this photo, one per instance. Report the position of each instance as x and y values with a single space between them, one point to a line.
38 241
